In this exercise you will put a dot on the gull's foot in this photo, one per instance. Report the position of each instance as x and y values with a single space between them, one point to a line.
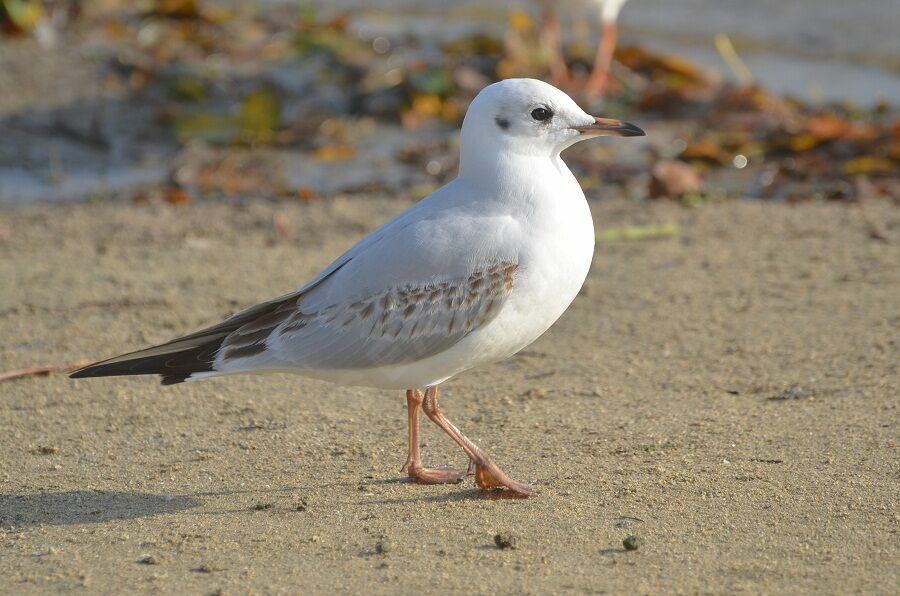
489 476
443 475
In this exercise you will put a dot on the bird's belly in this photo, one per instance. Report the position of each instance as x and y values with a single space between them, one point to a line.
543 291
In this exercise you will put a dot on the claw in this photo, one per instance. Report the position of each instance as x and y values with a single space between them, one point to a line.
487 479
443 475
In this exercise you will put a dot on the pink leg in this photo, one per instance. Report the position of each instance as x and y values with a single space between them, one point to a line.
487 474
413 464
598 81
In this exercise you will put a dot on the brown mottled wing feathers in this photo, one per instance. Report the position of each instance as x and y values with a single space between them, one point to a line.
402 324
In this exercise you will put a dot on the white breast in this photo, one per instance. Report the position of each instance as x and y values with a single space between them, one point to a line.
554 264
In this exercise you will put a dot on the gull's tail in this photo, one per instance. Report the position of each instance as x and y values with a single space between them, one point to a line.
189 356
175 361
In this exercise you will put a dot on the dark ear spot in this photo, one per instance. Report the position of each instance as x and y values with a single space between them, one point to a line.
502 122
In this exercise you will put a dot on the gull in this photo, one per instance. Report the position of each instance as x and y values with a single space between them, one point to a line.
608 14
471 274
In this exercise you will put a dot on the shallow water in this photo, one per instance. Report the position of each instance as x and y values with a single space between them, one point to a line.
813 49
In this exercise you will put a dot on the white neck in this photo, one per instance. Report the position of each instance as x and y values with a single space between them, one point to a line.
507 169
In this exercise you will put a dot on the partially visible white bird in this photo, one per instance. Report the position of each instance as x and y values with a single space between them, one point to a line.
607 13
471 274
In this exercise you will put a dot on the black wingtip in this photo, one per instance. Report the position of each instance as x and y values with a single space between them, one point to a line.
99 369
182 357
173 367
103 369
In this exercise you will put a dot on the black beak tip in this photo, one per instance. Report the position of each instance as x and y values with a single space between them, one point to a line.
630 130
607 127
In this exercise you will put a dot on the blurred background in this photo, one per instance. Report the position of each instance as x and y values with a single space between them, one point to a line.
184 100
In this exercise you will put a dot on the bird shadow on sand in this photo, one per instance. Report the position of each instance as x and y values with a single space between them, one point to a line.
85 507
462 493
474 494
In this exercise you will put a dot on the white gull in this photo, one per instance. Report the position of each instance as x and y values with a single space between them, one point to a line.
471 274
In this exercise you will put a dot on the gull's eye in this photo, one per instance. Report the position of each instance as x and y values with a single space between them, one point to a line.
541 114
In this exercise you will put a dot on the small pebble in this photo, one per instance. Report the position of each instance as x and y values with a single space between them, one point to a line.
383 546
535 393
148 560
632 542
301 505
262 506
48 450
506 540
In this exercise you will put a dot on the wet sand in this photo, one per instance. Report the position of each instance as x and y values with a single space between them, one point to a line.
727 394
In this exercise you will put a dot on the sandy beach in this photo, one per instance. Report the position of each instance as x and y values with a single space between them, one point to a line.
724 389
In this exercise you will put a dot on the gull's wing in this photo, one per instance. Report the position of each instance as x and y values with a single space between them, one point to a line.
399 324
411 289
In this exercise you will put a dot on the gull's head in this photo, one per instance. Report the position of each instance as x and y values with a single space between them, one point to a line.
530 117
